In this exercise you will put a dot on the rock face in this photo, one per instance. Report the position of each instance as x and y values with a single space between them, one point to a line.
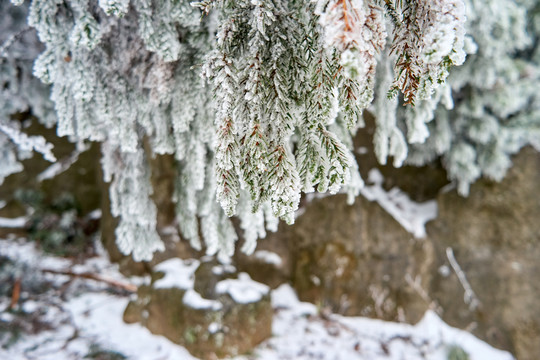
495 235
234 315
359 261
355 260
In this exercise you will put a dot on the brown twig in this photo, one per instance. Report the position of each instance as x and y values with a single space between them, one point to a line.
16 293
88 275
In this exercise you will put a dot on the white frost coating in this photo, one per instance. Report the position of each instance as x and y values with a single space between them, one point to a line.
194 300
130 192
114 7
388 139
357 30
268 257
110 85
178 273
252 223
430 39
242 290
412 216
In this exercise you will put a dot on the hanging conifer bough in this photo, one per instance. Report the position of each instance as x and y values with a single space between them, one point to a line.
286 73
283 87
486 111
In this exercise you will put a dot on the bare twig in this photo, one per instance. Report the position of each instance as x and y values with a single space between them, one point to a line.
16 293
88 275
469 297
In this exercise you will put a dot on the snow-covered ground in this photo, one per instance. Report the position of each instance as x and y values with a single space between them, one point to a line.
90 314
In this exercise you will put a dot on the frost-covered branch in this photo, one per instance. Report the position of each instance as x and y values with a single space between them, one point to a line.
470 297
283 88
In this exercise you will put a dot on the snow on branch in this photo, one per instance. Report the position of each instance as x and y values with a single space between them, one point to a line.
283 88
469 297
28 143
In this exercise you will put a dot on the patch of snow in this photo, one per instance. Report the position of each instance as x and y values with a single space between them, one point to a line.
2 204
301 337
362 150
45 345
284 297
140 280
242 290
25 252
268 257
7 317
411 215
178 273
195 301
300 333
223 269
95 214
432 324
10 223
214 327
171 232
30 306
99 318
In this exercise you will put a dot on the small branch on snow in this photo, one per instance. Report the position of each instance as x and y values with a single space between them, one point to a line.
87 275
470 297
15 294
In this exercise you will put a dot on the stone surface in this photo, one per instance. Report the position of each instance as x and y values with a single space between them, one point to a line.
224 329
495 235
359 261
355 260
261 269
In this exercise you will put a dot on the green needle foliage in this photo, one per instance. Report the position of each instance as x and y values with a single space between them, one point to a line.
258 100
